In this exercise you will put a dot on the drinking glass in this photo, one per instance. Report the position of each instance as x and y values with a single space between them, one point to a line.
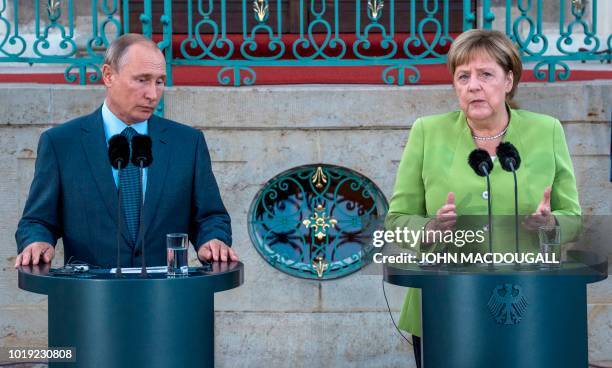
177 246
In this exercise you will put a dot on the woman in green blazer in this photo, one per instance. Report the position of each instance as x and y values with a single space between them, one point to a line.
434 182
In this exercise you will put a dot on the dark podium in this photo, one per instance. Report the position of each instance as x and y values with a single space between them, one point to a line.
477 317
133 322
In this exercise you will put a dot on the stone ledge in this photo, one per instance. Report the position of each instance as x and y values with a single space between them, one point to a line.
301 106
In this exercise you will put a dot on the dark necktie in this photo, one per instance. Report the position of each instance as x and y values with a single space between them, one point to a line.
131 194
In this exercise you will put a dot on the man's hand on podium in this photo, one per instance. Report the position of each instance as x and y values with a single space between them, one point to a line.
34 253
216 250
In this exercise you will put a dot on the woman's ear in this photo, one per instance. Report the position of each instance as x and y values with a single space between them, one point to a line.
509 81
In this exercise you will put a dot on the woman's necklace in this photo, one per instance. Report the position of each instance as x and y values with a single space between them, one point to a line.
492 137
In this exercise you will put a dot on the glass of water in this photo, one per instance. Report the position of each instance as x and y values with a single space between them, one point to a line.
177 246
550 245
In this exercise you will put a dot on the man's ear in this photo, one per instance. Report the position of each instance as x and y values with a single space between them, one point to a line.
108 75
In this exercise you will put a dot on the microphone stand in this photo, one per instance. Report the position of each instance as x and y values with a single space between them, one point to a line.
118 273
516 232
516 228
143 270
483 167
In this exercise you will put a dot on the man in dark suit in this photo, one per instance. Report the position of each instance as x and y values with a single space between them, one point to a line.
74 191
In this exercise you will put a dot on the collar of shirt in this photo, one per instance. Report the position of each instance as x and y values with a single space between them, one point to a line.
113 125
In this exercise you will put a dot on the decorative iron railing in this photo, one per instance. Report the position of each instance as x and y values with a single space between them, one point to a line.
239 35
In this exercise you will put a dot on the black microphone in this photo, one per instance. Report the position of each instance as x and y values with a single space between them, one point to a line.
481 163
141 151
510 160
142 156
118 151
119 156
509 157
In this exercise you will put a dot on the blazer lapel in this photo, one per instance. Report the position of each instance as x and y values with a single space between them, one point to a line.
156 172
94 144
467 201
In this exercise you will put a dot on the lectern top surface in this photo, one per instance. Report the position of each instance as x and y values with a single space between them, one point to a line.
578 263
218 276
207 270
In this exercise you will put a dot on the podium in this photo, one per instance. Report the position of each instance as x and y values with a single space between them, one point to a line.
480 317
132 321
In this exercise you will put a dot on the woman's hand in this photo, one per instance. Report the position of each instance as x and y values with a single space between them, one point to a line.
446 217
543 214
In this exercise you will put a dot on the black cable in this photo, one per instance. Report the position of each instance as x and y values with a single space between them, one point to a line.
391 315
405 338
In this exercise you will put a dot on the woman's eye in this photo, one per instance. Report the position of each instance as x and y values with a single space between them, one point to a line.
462 77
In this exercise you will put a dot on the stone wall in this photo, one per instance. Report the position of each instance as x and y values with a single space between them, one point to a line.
255 133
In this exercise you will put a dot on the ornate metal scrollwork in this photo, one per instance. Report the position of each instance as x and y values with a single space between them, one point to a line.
317 33
260 7
375 7
316 221
319 222
53 9
418 38
320 265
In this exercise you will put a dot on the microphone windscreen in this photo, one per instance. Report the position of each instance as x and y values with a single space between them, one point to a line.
506 152
477 158
118 151
141 150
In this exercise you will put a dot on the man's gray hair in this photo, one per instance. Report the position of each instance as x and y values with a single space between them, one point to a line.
117 50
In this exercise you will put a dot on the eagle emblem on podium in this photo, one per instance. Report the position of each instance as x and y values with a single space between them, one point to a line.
507 304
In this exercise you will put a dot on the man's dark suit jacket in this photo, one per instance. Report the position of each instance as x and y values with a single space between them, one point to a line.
73 194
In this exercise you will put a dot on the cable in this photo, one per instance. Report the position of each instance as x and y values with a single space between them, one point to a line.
391 315
591 365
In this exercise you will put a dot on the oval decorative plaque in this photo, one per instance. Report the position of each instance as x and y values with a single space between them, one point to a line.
316 221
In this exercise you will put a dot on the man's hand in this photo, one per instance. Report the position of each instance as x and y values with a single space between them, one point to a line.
543 214
446 217
34 253
216 250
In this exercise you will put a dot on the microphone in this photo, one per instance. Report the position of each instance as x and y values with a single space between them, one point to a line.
510 160
480 161
118 151
509 157
141 151
142 157
119 156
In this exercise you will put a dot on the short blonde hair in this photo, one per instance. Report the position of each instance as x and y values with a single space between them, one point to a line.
495 44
